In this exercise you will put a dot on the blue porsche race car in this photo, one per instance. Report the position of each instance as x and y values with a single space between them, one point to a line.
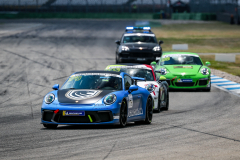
97 97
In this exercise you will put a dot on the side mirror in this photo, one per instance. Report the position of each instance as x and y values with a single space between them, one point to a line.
153 63
160 42
55 86
207 63
117 42
132 88
162 78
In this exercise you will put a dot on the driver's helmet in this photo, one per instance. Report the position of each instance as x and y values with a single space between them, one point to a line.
189 59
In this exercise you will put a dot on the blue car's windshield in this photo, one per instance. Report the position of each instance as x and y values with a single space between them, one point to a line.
100 81
180 59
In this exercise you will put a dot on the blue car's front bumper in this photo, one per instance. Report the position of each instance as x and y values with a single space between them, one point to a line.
93 115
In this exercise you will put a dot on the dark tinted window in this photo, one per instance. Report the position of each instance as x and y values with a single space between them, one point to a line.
127 82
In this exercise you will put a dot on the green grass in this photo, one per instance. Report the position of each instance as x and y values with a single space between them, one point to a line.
215 37
229 67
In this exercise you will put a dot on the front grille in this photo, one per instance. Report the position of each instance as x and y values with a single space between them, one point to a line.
96 116
141 55
47 115
203 82
185 84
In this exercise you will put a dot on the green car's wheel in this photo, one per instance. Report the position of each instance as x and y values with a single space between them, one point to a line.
149 112
208 89
123 114
50 126
165 99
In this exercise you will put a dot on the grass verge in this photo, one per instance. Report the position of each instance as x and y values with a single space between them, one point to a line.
229 67
214 37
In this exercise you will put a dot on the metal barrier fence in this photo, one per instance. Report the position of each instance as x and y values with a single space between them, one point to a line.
84 5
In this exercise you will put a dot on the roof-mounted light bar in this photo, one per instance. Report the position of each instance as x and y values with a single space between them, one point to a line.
138 28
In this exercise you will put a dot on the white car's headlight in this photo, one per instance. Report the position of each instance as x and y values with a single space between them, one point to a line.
150 87
163 71
110 99
204 71
156 48
125 48
49 98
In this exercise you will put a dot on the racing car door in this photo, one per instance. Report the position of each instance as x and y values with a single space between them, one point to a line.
134 98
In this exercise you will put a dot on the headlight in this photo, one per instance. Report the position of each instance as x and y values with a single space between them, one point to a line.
204 71
150 87
157 48
125 48
110 99
49 98
163 71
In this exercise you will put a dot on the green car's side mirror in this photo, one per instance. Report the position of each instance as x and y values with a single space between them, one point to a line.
153 63
207 63
162 78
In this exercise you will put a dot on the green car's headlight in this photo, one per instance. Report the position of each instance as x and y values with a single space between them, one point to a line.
49 98
150 87
110 99
204 71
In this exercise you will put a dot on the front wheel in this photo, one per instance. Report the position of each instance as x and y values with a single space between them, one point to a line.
123 114
50 126
149 112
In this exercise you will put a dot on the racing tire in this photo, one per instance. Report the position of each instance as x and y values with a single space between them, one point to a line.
166 99
50 126
149 112
123 115
208 89
159 104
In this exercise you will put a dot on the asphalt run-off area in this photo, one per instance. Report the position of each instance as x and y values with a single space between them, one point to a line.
36 54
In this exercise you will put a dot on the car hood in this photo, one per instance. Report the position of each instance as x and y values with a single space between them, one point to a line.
178 70
81 96
138 45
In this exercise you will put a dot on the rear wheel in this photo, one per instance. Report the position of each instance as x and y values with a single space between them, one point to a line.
123 114
165 99
159 103
149 112
50 126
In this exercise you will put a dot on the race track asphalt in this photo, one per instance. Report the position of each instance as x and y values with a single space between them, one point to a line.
36 54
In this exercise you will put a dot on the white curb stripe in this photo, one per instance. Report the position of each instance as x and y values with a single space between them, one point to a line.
225 85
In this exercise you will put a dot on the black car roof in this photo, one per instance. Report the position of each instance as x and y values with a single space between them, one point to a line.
96 71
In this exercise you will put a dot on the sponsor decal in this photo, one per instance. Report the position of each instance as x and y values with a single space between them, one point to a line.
166 59
130 101
73 113
183 74
184 80
132 67
189 67
178 55
82 94
135 112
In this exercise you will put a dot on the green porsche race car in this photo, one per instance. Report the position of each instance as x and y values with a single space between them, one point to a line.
184 70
